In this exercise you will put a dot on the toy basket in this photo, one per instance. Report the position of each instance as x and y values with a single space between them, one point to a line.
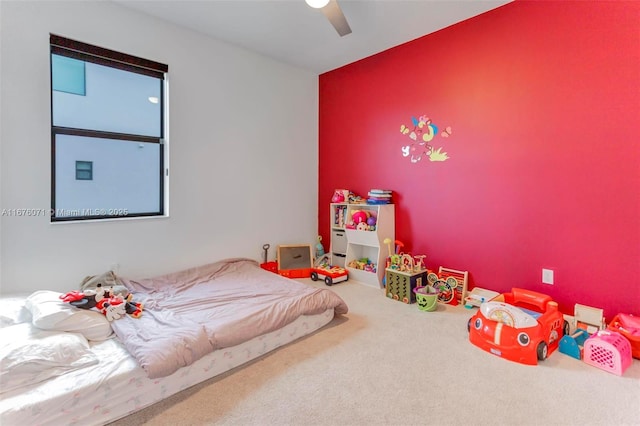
427 298
609 351
629 327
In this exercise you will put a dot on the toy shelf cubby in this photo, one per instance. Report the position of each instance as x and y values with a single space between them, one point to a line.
338 243
369 243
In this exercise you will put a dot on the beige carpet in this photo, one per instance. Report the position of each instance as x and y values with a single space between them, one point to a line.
387 363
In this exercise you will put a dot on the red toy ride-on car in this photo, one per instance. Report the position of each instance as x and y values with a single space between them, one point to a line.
522 326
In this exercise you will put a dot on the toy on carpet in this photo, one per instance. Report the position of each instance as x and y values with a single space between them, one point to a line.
522 326
405 273
629 326
329 274
477 296
427 298
113 306
452 284
608 351
586 321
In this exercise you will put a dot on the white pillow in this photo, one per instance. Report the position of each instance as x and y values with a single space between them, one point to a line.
51 313
29 355
13 311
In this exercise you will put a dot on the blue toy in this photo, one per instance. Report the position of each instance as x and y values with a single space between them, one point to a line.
319 247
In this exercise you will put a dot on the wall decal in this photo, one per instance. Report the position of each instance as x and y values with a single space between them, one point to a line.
422 133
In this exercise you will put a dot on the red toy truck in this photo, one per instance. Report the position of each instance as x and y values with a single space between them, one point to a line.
330 274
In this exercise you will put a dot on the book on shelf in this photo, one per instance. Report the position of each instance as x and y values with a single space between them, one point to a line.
379 196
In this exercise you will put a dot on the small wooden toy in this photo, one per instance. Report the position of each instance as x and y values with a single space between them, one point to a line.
446 281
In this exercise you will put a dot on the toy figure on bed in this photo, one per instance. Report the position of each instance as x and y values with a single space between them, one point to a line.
111 305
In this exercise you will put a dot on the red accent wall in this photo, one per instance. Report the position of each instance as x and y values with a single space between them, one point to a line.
543 98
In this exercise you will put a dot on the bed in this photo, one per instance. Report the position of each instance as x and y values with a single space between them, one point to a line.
196 324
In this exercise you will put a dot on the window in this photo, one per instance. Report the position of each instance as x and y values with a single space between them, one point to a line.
107 112
84 170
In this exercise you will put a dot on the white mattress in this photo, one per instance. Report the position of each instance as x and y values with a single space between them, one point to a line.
117 386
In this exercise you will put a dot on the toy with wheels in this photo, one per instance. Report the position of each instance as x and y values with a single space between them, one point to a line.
522 326
330 274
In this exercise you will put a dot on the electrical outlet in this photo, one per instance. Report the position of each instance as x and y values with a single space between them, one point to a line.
547 276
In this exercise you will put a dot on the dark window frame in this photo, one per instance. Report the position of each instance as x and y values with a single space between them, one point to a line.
78 50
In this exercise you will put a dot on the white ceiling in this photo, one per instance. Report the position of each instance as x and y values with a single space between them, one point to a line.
292 32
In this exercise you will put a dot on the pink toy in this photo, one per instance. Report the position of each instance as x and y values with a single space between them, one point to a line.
609 351
338 196
359 216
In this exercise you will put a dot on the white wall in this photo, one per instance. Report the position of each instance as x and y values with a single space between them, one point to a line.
243 151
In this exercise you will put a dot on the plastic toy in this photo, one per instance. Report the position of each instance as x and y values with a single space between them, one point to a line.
478 296
359 216
609 351
371 222
364 264
338 196
266 265
319 247
330 274
573 344
586 321
629 326
387 241
522 326
427 298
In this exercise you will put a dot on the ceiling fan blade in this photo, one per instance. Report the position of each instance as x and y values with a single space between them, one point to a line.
334 14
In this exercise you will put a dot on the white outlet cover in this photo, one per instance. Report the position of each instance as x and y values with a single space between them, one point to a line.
547 276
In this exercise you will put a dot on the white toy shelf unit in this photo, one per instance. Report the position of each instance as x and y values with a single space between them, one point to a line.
367 225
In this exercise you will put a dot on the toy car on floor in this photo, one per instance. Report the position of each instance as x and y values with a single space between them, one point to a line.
330 274
522 326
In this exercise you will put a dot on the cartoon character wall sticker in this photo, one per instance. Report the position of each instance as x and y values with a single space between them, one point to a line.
422 134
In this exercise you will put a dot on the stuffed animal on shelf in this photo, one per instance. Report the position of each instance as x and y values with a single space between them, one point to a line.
319 247
338 196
